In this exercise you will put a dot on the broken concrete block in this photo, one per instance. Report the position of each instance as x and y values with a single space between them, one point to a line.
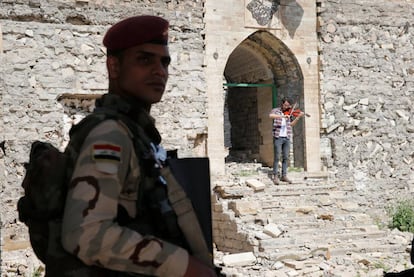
294 264
261 236
239 259
292 273
324 266
278 265
244 207
272 230
255 184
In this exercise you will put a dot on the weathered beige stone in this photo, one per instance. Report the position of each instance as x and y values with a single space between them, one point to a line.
244 207
272 230
255 184
294 264
330 28
240 259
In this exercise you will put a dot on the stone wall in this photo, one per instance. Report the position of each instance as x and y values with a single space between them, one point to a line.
367 90
54 47
228 236
49 48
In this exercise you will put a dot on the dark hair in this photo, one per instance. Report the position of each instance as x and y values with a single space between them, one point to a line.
115 53
286 99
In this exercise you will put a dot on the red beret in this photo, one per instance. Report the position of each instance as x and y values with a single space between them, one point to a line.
135 31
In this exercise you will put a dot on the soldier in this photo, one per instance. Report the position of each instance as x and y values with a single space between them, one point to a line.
104 189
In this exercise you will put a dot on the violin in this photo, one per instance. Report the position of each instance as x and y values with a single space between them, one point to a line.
294 112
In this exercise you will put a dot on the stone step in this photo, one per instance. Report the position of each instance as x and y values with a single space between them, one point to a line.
301 239
325 198
337 231
365 247
300 190
298 185
310 223
316 219
303 204
320 222
327 252
326 202
361 246
308 257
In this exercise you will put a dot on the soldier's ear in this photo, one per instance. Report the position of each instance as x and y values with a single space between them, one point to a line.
114 67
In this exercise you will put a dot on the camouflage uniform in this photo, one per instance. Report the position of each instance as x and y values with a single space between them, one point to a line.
106 177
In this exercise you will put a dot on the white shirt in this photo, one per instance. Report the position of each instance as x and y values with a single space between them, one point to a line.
283 128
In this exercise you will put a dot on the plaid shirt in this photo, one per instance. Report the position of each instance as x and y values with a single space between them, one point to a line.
277 124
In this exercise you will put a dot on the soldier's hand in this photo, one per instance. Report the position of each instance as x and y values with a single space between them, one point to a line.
196 268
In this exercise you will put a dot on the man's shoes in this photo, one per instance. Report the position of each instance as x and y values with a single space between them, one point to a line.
285 179
276 180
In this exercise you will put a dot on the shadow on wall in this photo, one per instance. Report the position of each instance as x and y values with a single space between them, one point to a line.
291 14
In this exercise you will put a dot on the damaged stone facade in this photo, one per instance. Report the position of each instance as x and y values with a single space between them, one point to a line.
52 50
367 90
53 63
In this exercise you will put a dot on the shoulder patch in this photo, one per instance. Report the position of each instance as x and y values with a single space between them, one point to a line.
106 152
106 157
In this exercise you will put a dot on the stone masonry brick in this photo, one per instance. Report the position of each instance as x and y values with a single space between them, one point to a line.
244 207
240 259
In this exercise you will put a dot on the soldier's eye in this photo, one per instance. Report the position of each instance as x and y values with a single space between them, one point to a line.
166 61
143 59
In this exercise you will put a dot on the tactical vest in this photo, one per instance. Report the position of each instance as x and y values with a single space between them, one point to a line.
165 213
175 223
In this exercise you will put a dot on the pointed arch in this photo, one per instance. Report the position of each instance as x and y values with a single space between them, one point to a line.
261 58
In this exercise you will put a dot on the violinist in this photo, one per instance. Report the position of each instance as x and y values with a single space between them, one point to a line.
282 133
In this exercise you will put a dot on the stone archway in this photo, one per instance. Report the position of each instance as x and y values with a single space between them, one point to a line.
261 58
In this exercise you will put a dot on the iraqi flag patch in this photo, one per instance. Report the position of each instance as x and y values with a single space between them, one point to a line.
106 152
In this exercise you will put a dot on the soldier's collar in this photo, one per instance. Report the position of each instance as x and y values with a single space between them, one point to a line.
133 109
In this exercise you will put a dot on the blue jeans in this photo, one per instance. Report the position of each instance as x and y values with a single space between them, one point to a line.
281 146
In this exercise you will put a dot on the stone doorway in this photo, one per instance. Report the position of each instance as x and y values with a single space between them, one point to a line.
261 58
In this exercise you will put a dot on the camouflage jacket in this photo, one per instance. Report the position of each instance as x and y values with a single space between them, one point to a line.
107 175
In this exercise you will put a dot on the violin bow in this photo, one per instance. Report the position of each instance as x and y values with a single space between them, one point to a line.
293 108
